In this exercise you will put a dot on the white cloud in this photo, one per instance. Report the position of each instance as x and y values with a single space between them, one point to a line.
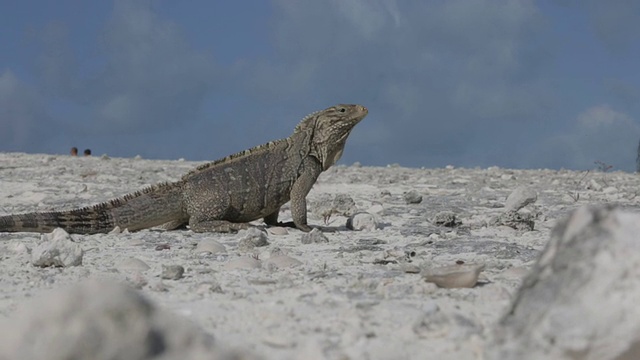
151 78
623 90
615 22
428 71
600 133
467 82
22 114
369 17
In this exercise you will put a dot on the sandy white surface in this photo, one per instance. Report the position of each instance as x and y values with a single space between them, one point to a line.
351 297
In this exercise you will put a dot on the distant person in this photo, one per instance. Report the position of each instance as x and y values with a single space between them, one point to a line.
87 152
74 151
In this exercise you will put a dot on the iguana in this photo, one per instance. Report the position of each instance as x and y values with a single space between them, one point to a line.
223 195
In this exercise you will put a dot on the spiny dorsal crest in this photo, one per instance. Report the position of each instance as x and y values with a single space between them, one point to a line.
256 149
117 202
306 121
306 124
232 157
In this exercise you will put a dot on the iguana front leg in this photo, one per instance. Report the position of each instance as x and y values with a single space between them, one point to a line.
309 172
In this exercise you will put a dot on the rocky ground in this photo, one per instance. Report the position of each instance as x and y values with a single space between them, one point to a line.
381 292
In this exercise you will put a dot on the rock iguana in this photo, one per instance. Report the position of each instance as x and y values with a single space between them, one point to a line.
223 195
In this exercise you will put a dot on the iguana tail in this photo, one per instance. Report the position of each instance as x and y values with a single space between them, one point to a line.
149 207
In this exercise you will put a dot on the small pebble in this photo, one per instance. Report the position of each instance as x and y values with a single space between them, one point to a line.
362 221
138 281
314 236
18 248
210 246
244 262
327 206
159 286
278 230
251 238
445 218
516 272
410 268
519 198
209 287
278 342
412 197
433 323
172 272
375 209
460 181
135 242
514 220
58 249
281 261
454 276
116 230
594 185
134 264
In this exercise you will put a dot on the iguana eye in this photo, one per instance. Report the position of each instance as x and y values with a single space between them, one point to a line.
342 110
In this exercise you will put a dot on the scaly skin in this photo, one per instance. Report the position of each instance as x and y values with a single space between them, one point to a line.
223 195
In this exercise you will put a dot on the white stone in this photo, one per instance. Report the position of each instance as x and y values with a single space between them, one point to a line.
210 246
581 298
57 249
244 262
519 198
102 320
362 221
281 261
133 264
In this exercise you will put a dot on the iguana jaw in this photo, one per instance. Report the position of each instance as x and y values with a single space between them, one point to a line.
332 127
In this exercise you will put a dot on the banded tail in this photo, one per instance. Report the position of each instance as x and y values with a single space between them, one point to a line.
149 207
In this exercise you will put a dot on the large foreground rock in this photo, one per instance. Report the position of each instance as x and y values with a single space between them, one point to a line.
582 299
101 320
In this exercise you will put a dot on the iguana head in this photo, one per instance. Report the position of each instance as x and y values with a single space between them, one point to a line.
327 131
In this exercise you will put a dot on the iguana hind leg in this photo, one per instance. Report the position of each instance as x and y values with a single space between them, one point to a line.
206 213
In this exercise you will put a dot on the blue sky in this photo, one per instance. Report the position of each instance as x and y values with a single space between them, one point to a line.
523 84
